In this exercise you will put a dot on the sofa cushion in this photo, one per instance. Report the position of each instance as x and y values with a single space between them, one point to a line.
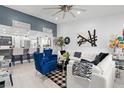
71 62
88 56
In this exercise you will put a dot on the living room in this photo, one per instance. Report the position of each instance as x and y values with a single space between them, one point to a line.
62 46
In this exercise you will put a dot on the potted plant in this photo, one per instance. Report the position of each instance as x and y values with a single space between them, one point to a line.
60 42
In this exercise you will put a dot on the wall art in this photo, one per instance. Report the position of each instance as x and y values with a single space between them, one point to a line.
92 39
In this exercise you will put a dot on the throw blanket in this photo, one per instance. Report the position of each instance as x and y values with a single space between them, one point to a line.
82 69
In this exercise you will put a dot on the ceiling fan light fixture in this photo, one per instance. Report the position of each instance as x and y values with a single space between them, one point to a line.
56 18
78 12
28 32
66 9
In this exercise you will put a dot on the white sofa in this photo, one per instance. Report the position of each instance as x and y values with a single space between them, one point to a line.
103 74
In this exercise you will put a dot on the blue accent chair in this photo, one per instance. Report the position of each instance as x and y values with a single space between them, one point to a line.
45 62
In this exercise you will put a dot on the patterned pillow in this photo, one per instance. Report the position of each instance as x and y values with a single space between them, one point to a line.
82 69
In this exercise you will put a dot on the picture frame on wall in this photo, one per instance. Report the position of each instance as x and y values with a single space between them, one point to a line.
5 40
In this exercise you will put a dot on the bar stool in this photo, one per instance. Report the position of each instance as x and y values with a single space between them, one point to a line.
17 52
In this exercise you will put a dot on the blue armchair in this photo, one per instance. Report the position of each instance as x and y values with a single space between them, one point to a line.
45 62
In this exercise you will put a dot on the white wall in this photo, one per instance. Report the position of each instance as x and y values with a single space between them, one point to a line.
104 26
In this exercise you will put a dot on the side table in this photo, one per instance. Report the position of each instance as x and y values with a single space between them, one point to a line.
119 65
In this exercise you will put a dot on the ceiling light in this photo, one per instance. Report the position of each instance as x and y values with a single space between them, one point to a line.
64 9
56 18
17 31
78 12
28 32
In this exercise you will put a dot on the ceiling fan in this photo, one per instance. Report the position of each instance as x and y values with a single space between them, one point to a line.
66 9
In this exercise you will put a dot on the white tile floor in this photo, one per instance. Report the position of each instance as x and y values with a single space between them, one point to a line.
24 76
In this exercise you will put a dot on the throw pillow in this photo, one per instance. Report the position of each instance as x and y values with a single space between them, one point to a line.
82 69
77 54
96 60
99 58
102 56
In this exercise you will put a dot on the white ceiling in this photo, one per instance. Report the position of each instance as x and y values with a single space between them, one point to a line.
91 11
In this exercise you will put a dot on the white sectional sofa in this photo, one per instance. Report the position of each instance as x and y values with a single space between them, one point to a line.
103 74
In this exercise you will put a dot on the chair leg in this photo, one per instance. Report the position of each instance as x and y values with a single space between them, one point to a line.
21 59
11 80
28 58
41 75
13 60
37 73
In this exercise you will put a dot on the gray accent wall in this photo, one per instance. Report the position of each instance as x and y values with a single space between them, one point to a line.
7 15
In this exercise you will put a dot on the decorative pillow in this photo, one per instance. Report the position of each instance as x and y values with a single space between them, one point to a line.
82 69
102 56
77 54
99 58
96 61
95 69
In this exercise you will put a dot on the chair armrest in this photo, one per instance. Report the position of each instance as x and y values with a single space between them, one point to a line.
98 81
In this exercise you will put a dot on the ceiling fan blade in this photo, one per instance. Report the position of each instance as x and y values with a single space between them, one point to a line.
53 8
57 12
72 14
64 15
79 9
